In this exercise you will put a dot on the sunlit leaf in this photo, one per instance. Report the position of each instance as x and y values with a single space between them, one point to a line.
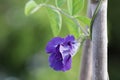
84 20
69 4
30 5
55 21
72 27
59 3
77 6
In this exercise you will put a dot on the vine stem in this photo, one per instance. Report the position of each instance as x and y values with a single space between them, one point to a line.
94 15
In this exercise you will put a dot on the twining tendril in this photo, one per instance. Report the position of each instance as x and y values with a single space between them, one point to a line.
94 16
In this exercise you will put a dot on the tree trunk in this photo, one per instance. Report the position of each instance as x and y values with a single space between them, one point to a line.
86 65
99 42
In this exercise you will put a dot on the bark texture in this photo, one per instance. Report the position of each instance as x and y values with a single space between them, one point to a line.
86 64
99 43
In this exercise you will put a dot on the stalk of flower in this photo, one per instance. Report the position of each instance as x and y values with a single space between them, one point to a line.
61 51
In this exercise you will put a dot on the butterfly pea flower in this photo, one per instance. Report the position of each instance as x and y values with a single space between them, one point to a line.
61 51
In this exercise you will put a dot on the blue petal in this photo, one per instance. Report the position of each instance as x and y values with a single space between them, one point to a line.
61 51
70 46
52 44
67 62
66 55
55 60
75 47
65 49
69 38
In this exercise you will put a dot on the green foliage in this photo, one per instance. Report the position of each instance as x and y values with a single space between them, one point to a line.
59 3
30 5
84 20
77 6
73 28
55 20
69 4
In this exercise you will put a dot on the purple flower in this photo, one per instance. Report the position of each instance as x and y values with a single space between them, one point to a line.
61 51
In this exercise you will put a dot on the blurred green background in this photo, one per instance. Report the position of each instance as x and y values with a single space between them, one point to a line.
23 39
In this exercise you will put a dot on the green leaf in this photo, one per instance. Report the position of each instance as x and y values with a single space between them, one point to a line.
69 5
55 19
77 6
30 5
72 27
59 3
84 20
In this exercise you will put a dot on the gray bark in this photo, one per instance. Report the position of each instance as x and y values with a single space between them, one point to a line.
99 42
86 64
